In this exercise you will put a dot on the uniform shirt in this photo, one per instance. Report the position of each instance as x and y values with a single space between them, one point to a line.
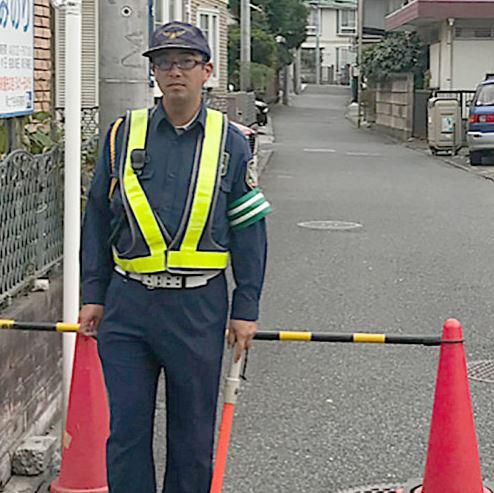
166 179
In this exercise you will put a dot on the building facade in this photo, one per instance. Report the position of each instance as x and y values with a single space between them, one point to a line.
453 30
335 23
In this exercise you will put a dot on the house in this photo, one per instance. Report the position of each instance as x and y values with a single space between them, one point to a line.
210 15
454 30
335 21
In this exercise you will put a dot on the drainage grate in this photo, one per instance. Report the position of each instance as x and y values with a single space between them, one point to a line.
482 371
374 489
330 225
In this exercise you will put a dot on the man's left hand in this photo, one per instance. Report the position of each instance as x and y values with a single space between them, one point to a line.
241 333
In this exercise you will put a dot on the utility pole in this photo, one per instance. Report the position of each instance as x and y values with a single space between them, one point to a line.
72 184
124 76
318 43
244 45
360 43
296 71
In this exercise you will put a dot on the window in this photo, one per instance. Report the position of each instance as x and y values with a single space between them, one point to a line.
168 10
208 21
485 96
89 67
342 57
347 22
312 22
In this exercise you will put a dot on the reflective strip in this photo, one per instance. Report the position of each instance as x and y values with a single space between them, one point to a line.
64 327
143 265
6 324
139 204
246 204
369 338
188 256
265 205
198 260
295 336
206 181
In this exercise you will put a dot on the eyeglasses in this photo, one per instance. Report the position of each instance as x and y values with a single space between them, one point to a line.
182 63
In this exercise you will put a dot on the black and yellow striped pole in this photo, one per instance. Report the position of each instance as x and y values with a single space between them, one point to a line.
38 326
282 335
359 338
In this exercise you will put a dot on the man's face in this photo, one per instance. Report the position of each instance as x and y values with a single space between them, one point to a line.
180 74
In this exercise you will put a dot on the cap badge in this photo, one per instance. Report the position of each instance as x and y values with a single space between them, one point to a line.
171 35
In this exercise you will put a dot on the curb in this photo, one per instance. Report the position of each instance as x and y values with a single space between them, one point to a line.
264 158
425 152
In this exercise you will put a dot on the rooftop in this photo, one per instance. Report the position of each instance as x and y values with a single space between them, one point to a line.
334 4
421 12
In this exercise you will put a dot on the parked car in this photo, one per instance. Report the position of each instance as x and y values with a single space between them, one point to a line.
251 135
480 136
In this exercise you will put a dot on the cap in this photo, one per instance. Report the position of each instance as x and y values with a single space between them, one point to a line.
178 34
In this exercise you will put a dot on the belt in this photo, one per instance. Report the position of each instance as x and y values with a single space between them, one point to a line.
167 280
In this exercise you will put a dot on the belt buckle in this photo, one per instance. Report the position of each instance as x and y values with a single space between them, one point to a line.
147 280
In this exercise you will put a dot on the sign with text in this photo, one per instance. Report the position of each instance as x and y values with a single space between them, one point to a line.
16 57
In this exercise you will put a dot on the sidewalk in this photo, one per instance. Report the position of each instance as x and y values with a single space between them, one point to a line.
459 161
265 151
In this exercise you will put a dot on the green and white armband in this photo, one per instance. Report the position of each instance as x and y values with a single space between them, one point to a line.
248 209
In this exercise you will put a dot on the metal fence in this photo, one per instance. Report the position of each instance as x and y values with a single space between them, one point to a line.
31 218
464 97
89 121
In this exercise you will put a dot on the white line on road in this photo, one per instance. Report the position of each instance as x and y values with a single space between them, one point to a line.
363 154
319 150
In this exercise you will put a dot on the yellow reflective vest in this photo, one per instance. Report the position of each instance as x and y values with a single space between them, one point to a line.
183 256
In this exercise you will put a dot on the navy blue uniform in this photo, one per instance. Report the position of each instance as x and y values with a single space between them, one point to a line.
180 330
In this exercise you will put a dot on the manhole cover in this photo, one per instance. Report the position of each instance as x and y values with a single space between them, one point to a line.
482 371
374 489
330 225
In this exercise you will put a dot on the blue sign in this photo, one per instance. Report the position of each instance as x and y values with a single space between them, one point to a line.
16 57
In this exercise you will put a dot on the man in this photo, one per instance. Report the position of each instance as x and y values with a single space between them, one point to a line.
173 200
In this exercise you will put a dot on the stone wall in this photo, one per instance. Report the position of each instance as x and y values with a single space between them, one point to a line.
42 56
394 105
30 373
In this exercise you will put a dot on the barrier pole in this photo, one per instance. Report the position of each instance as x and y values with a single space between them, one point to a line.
281 335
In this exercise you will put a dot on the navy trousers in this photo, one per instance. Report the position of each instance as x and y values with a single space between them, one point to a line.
144 331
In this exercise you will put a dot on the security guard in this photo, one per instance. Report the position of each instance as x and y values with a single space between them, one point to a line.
173 201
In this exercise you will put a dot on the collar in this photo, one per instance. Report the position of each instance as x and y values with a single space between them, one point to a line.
158 115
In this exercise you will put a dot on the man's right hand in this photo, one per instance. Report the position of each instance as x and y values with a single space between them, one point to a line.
89 319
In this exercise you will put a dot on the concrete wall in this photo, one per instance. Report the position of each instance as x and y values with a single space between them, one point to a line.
394 106
42 56
30 373
468 62
469 70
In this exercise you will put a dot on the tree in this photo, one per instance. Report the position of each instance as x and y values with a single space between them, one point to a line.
271 20
287 18
397 53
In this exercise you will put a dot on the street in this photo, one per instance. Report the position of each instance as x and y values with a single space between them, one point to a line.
318 417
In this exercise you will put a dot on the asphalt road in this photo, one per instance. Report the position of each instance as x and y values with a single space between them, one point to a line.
320 418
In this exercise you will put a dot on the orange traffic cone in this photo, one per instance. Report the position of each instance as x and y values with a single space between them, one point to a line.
87 427
453 463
